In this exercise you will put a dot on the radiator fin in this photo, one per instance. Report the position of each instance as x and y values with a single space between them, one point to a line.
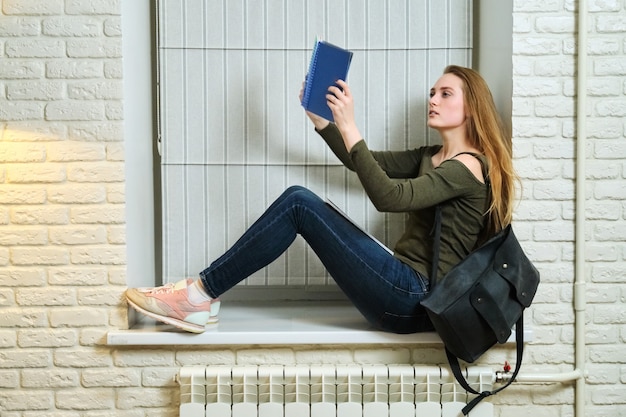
328 391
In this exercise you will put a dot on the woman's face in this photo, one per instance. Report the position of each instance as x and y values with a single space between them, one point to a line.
446 107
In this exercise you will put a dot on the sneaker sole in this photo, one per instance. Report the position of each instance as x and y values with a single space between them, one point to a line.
188 327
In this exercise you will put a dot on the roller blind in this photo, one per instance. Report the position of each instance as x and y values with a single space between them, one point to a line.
232 133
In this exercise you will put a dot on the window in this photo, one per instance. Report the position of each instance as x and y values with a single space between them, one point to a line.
233 135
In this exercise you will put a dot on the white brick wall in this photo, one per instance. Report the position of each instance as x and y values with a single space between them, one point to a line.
62 221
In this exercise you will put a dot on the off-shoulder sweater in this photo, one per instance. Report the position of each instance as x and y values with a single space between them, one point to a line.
407 181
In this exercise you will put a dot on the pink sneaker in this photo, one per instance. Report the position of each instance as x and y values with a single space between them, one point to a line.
170 304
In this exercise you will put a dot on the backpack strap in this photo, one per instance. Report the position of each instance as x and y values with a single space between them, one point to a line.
519 325
482 237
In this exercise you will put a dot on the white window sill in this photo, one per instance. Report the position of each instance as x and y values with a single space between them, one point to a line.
278 323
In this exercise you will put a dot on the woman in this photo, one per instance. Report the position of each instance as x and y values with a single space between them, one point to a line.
387 289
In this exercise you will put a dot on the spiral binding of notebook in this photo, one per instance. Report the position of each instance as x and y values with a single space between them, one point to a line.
307 85
329 63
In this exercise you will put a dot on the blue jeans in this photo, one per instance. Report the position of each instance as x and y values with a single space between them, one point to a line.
385 290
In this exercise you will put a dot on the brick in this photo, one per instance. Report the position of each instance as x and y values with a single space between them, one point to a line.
20 111
77 276
610 190
555 24
609 273
116 235
82 357
564 66
74 110
32 7
609 232
116 193
113 27
26 400
535 46
75 151
29 90
46 338
553 190
610 23
554 149
537 87
46 297
22 277
49 378
611 108
92 7
77 317
111 214
603 128
114 110
603 46
18 69
159 377
603 211
553 232
18 359
80 399
8 339
71 26
15 236
98 255
33 174
4 256
96 172
35 131
18 27
103 132
113 70
540 170
555 107
39 256
90 90
129 398
609 314
76 193
34 48
144 358
78 235
49 215
607 354
22 152
9 379
609 66
111 377
11 194
101 296
7 297
74 69
93 336
94 48
532 128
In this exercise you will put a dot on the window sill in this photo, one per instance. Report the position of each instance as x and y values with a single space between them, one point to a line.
281 323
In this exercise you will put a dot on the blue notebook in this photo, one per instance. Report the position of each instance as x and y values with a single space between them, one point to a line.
329 63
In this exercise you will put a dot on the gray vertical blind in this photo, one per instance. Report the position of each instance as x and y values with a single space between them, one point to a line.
233 135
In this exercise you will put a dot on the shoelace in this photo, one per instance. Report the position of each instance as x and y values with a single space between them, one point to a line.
165 289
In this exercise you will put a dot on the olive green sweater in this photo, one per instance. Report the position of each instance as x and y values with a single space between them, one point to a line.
407 181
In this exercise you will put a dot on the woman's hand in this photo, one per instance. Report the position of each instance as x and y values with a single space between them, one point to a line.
341 103
319 122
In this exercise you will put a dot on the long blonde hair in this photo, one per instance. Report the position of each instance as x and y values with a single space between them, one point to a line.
486 133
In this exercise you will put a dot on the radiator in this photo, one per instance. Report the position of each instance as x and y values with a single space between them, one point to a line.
328 391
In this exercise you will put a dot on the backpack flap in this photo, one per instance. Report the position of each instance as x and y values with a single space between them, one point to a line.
511 263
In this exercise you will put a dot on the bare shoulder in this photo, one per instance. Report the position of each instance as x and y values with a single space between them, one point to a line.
473 164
